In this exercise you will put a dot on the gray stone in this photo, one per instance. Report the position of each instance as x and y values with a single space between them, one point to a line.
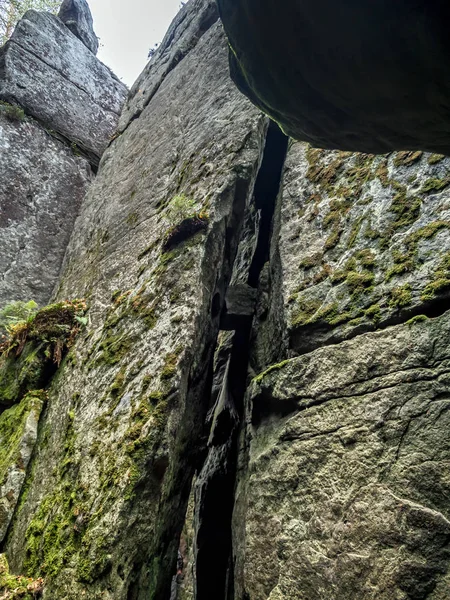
134 392
42 184
240 304
344 488
76 15
58 81
364 241
359 76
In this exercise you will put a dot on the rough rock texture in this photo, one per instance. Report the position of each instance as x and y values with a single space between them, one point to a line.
230 425
359 76
57 80
346 490
364 241
106 502
76 15
18 434
42 184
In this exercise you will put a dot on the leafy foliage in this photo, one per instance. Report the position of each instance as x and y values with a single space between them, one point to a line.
14 312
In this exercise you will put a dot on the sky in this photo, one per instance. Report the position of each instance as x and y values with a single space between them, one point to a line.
128 29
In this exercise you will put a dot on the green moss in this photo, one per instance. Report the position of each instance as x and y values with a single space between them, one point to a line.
13 587
31 346
417 319
435 158
12 112
311 261
407 158
400 296
374 313
304 310
359 282
132 219
170 364
406 210
435 185
113 349
333 239
440 280
356 227
271 369
12 427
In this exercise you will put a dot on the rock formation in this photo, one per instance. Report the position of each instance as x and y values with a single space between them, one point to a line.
59 106
252 399
359 76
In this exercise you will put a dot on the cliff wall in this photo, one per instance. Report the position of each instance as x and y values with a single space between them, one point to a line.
255 405
59 107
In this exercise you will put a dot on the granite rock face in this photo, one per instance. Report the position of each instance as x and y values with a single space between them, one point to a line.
50 73
76 15
364 76
152 253
42 184
346 485
256 404
364 241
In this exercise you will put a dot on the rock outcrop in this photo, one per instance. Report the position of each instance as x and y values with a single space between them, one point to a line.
255 405
76 15
59 107
363 76
53 76
42 184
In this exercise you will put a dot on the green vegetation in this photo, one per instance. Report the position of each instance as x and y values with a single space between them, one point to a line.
435 158
31 348
12 426
13 587
417 319
12 112
14 312
271 369
435 185
400 296
440 281
406 158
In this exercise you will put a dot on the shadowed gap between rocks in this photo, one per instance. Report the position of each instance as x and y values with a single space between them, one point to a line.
215 487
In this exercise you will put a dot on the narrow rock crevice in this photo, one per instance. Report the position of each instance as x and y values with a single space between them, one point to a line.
215 486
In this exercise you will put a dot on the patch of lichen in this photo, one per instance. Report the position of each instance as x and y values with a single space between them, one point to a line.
400 297
435 185
435 158
12 427
12 112
405 158
15 587
63 530
440 280
34 347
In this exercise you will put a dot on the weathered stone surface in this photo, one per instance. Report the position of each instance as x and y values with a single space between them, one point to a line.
364 241
18 434
359 76
42 184
57 80
76 15
344 489
106 503
191 23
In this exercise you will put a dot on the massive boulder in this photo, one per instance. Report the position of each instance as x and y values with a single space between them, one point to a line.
42 184
359 76
59 107
53 76
76 15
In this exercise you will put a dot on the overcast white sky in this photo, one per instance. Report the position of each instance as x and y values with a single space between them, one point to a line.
128 29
